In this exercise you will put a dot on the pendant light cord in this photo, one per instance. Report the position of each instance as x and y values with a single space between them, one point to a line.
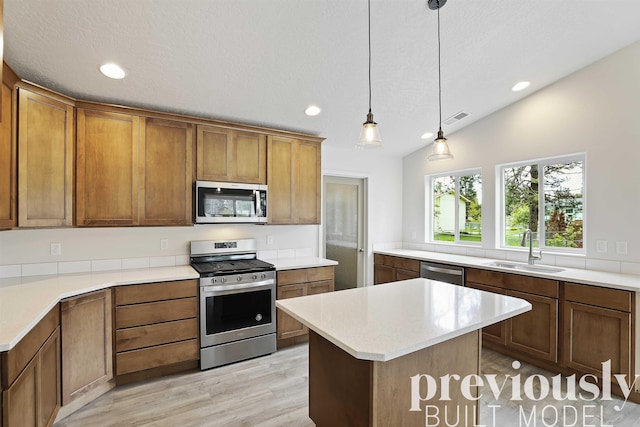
439 71
369 30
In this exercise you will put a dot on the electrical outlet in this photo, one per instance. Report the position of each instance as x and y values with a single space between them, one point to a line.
56 249
164 244
269 240
601 246
621 248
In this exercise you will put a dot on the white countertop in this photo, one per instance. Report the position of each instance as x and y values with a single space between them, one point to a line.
627 282
25 301
387 321
300 262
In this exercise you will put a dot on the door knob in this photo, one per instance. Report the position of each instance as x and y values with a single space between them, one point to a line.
360 250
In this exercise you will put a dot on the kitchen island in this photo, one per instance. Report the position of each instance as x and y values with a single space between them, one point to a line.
367 344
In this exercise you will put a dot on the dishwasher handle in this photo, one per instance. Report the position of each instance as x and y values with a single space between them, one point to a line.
443 270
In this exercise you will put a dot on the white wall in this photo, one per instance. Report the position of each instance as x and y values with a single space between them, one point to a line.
595 110
384 176
118 243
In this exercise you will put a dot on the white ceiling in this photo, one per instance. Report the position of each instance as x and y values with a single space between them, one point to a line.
263 62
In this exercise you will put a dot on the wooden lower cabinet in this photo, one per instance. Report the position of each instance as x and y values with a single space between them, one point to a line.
598 328
87 355
496 333
156 329
296 283
388 268
535 332
33 397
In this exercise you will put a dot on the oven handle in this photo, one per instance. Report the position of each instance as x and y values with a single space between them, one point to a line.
243 286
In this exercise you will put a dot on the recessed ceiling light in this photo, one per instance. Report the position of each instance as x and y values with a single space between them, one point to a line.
312 110
112 70
520 86
426 135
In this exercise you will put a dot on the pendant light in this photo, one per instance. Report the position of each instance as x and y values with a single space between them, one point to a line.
440 150
369 135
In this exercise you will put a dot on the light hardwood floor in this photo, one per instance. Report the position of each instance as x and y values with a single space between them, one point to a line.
272 391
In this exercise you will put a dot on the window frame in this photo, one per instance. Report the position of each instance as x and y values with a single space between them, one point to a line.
501 219
430 206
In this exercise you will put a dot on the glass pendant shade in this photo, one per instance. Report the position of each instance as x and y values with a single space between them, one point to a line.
440 150
369 135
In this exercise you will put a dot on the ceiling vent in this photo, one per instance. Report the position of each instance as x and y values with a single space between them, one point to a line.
456 118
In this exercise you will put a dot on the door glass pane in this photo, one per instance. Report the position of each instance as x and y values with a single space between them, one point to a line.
341 227
563 204
444 208
236 311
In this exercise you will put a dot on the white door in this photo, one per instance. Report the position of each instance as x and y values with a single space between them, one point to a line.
344 227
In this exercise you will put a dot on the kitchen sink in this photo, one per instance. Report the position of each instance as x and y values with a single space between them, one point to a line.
524 267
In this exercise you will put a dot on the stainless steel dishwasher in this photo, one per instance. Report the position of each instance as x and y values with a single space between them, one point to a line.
442 272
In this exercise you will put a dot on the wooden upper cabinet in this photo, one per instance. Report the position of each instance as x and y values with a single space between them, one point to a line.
293 176
307 183
8 158
45 144
107 168
166 172
231 155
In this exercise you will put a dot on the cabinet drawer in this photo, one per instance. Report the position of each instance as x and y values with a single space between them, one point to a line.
614 299
319 273
153 357
155 312
288 277
485 277
161 333
134 294
384 260
408 264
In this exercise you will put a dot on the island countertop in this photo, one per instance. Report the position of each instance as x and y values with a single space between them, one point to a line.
387 321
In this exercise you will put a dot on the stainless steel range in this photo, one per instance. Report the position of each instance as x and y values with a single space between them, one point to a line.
237 301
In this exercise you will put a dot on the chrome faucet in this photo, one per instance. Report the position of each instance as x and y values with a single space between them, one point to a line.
532 258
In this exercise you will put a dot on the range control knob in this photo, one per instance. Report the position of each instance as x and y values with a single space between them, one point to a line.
222 280
254 277
239 278
264 276
213 281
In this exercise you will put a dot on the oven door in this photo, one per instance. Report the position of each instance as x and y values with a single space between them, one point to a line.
224 202
234 312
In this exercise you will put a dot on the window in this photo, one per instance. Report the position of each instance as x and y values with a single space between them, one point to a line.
546 197
456 201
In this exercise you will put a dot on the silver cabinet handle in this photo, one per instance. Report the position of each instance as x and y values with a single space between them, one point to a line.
443 270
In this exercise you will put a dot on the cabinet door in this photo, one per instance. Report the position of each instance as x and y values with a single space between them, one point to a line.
594 335
166 172
535 332
45 143
383 274
8 159
280 168
86 343
20 404
307 183
213 154
249 157
48 391
287 326
107 168
497 332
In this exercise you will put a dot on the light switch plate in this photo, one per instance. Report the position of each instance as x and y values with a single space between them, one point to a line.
621 248
164 244
269 240
601 246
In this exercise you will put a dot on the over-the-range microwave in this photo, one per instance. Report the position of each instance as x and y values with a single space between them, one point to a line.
227 202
